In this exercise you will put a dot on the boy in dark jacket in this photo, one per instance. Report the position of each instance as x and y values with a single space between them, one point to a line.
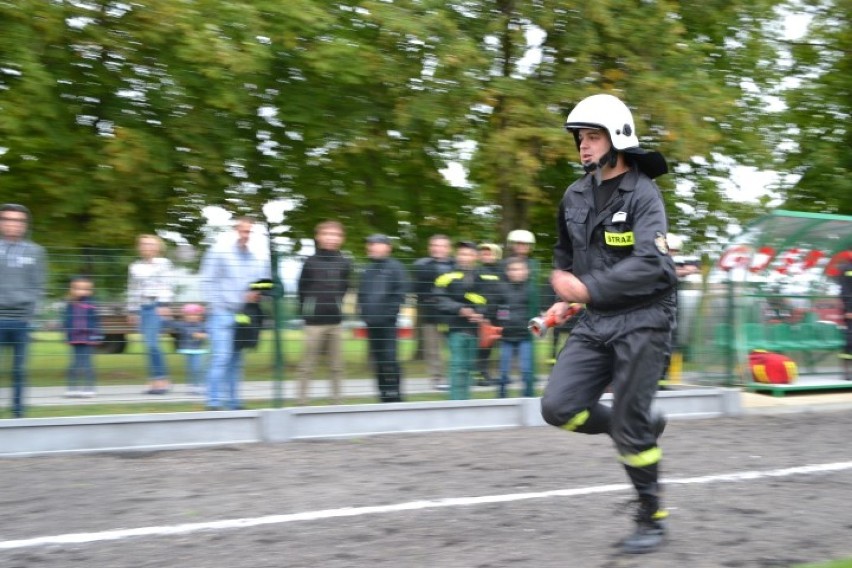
323 283
466 298
513 316
249 321
83 332
490 262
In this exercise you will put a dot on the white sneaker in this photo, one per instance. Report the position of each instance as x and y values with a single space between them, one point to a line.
87 394
72 394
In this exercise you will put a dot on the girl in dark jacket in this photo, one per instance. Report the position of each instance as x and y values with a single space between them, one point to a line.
83 332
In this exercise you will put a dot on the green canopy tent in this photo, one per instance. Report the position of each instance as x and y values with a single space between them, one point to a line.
774 288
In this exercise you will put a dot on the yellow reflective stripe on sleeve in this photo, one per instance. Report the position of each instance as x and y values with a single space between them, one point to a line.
444 279
619 239
242 319
475 298
577 421
489 277
643 459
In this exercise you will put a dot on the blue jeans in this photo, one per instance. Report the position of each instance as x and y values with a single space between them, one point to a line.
463 347
194 364
15 333
508 348
226 363
150 325
82 373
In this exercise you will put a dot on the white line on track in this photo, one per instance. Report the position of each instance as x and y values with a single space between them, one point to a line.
121 534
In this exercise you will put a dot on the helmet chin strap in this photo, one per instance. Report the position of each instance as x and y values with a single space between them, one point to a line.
610 159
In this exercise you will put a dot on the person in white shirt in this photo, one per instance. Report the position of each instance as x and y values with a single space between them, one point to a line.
149 291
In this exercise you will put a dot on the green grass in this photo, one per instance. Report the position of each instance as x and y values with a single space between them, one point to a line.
831 564
98 409
49 358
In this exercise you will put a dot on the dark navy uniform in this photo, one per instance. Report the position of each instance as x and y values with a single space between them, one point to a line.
619 252
846 296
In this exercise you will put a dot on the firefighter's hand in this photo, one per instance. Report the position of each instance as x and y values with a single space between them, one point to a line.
569 287
560 312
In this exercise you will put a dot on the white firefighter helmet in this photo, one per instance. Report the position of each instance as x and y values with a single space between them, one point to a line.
520 236
606 112
611 114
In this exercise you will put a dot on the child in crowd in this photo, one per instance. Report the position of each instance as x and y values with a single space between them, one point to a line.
192 340
514 316
83 332
466 298
490 256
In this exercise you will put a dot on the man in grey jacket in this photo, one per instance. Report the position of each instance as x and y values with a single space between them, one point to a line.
22 277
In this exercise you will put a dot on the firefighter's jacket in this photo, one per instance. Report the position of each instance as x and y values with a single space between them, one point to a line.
475 289
620 254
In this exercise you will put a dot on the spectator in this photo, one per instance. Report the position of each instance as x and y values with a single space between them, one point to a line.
228 270
520 244
846 298
22 281
380 294
149 291
426 271
513 317
466 299
323 283
83 332
684 269
490 255
192 344
250 320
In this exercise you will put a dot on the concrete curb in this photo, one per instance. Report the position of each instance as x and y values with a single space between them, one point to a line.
36 436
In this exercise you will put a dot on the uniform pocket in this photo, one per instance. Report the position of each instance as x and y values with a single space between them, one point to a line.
575 221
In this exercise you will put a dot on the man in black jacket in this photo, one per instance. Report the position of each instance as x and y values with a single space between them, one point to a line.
323 283
846 297
426 271
380 295
611 254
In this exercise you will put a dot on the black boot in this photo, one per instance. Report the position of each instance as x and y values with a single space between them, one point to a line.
650 527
